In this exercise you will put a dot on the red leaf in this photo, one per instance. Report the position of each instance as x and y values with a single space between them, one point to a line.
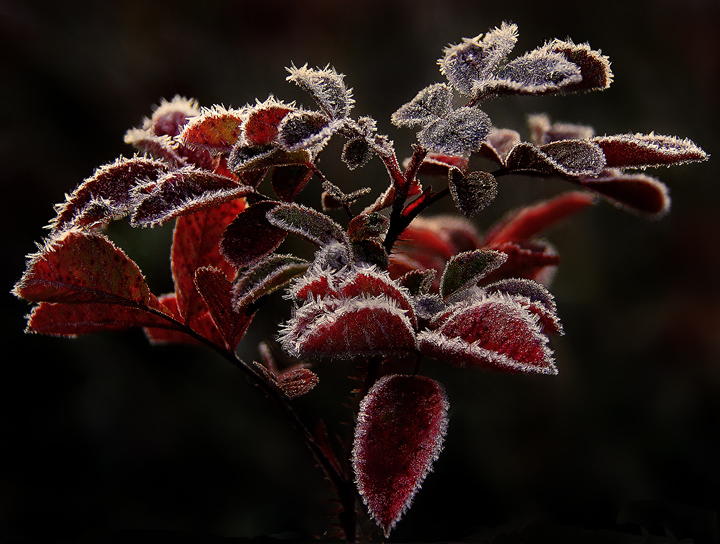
216 130
216 291
315 283
493 331
531 260
195 244
63 319
288 181
250 236
565 158
112 185
637 193
83 267
525 223
400 432
436 164
201 324
349 327
261 127
369 282
640 150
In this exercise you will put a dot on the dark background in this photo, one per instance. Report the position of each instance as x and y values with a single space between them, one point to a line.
105 437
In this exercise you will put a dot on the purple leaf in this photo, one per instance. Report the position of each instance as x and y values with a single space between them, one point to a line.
477 58
400 432
490 331
250 237
472 193
459 133
111 187
327 88
566 158
431 103
499 143
308 223
641 150
184 191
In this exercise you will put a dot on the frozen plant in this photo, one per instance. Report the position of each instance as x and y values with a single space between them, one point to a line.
386 288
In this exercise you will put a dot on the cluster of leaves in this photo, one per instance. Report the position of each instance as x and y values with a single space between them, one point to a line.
389 287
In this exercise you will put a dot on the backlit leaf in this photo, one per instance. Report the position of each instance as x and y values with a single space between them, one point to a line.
266 277
637 193
327 87
250 236
459 133
306 130
428 105
491 331
595 71
399 434
184 191
196 239
308 223
641 150
566 158
111 185
262 123
543 132
217 130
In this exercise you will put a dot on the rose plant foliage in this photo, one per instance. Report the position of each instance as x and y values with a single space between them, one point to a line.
387 287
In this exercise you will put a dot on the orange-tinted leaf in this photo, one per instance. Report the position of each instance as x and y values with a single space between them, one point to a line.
196 240
261 127
217 130
400 432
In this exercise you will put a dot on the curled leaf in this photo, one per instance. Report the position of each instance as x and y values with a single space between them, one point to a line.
306 130
566 158
217 130
637 193
308 223
400 432
642 150
266 277
327 87
465 269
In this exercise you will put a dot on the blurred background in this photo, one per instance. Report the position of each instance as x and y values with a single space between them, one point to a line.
105 437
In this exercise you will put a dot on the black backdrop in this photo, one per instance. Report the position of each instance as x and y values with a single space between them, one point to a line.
106 437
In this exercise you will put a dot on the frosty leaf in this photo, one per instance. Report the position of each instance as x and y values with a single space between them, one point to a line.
307 223
217 130
216 291
477 58
326 87
566 158
163 148
112 185
266 277
250 236
473 192
297 382
287 181
367 225
543 132
525 223
494 331
400 432
641 150
428 105
437 164
184 191
371 282
464 270
201 324
536 72
499 143
259 157
316 283
637 193
348 327
61 319
356 153
342 198
535 296
461 132
169 117
418 282
535 260
306 130
83 267
595 71
195 244
263 121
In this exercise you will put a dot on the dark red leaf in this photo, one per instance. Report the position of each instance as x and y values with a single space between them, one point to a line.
202 324
112 185
637 193
436 164
83 267
288 181
370 282
196 240
62 319
250 236
532 260
525 223
491 331
216 291
400 432
594 67
640 150
498 144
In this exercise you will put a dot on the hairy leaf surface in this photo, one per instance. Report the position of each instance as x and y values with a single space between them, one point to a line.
400 432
